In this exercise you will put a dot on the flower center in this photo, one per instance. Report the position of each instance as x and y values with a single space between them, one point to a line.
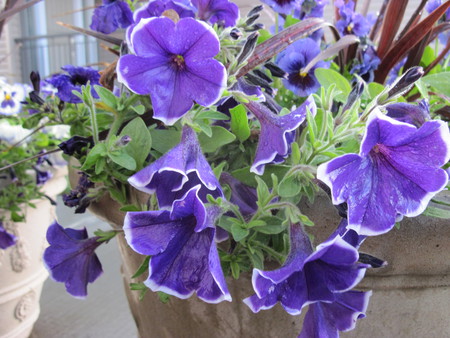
78 80
8 97
303 74
350 27
178 62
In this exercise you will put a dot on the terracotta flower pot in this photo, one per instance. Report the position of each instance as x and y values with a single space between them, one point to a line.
410 295
22 272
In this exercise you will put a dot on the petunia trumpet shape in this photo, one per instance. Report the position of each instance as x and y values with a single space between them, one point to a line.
6 239
396 173
175 64
111 15
325 319
277 132
308 277
71 258
180 169
222 12
184 254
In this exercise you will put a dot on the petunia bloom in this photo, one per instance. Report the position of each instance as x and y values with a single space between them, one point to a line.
307 277
416 115
184 254
222 12
277 132
180 169
294 59
6 239
71 258
78 76
111 15
325 319
175 64
396 173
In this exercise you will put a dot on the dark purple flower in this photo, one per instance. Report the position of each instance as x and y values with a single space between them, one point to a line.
75 145
395 71
42 176
307 276
352 22
79 196
71 258
367 65
6 239
277 132
283 6
325 319
396 172
111 15
222 12
180 169
175 64
413 114
78 76
294 59
242 195
184 254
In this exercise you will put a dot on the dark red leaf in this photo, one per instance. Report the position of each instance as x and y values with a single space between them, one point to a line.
391 24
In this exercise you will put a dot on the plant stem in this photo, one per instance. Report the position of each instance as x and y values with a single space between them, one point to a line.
94 125
30 158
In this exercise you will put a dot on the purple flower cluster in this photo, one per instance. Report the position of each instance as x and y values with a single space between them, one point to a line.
352 22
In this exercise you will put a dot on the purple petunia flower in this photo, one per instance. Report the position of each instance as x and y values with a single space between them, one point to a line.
184 254
351 22
71 258
78 76
396 172
174 64
157 7
242 195
307 277
294 59
180 169
6 239
283 6
416 115
277 132
111 15
325 319
222 12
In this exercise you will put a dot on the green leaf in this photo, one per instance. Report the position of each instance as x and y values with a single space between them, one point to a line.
106 96
140 109
273 226
130 207
257 259
123 159
327 77
142 268
141 141
235 269
212 115
262 190
245 176
239 122
238 232
374 89
163 297
164 140
100 165
220 136
289 186
439 82
98 151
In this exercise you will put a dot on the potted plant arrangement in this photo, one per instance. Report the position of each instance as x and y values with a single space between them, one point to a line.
241 167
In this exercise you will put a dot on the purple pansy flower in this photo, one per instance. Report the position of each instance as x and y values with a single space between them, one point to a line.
6 239
307 277
71 258
11 97
174 64
311 9
111 15
352 22
431 6
294 59
222 12
173 174
78 76
325 319
277 132
283 6
184 254
413 114
369 63
396 172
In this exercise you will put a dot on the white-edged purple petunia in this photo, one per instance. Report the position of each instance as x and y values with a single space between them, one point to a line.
325 319
277 132
71 258
397 172
222 12
180 169
409 113
294 59
175 64
6 239
307 276
184 253
111 15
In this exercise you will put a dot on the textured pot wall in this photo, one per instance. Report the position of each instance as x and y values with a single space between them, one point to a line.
22 272
411 296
